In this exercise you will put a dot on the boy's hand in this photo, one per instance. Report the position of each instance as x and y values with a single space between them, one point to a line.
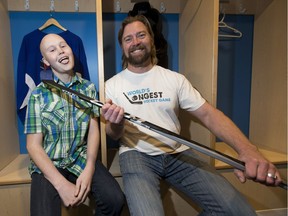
83 186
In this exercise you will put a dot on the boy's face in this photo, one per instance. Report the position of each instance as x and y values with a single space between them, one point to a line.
56 53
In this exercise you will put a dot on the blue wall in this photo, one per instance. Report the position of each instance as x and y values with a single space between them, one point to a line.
234 72
84 25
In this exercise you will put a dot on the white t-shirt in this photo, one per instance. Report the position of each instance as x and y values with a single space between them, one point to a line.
154 96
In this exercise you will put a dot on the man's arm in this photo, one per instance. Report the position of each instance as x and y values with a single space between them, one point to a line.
44 163
256 166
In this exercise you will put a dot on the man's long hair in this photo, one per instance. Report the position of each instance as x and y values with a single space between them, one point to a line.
144 20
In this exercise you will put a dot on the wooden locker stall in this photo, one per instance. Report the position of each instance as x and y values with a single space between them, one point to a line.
11 197
268 103
198 54
268 109
268 122
8 123
14 177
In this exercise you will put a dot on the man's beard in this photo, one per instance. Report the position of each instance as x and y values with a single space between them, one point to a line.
139 60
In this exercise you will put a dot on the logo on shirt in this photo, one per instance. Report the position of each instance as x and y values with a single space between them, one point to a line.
133 100
145 95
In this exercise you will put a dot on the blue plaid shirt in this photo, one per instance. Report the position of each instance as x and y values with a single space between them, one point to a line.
64 121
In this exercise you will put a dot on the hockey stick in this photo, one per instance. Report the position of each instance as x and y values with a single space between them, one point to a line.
162 131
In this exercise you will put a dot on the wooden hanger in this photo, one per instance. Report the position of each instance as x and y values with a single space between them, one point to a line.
52 21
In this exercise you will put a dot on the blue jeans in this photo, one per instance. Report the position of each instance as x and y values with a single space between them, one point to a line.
45 200
185 172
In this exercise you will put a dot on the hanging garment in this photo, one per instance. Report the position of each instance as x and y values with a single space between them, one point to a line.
155 20
29 64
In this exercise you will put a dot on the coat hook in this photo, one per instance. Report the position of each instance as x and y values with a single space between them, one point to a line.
76 5
118 6
162 7
52 5
27 5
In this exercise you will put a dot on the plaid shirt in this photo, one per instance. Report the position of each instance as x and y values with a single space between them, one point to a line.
64 121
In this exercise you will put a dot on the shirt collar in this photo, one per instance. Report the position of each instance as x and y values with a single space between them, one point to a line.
75 79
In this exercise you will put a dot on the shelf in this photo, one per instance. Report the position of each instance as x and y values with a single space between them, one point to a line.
274 157
16 172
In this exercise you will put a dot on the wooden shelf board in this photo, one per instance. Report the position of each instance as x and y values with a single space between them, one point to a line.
274 157
16 172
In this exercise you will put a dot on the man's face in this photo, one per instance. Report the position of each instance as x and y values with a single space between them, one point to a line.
136 44
57 53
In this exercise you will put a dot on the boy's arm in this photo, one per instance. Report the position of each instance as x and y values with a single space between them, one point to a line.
44 163
83 183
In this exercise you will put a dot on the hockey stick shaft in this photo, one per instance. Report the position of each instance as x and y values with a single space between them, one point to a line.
162 131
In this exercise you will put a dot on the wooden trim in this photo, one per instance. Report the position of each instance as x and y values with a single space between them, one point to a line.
214 69
99 33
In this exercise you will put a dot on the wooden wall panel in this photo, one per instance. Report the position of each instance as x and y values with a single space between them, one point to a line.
8 125
15 200
268 117
198 58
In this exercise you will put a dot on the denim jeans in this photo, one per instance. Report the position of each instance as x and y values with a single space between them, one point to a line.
45 200
185 172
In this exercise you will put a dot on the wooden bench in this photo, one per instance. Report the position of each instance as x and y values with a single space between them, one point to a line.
15 186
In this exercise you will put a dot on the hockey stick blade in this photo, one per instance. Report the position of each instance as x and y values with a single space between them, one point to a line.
162 131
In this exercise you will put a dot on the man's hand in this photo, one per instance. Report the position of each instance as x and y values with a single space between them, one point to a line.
257 168
113 113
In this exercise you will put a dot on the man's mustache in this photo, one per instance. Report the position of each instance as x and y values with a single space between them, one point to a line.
136 47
